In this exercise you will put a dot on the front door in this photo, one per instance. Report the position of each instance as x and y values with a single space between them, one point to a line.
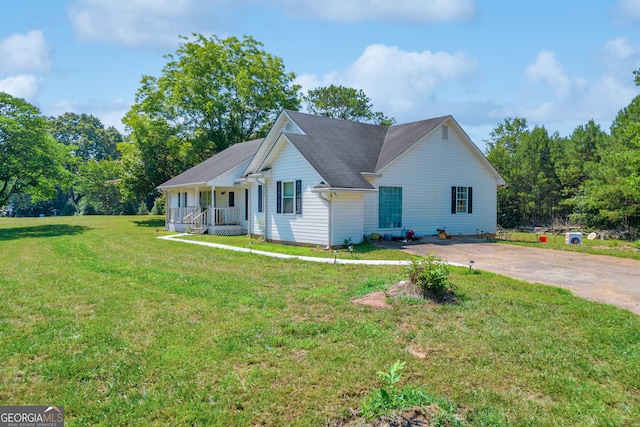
205 199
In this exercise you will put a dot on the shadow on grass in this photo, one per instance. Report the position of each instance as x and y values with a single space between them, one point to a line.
52 230
152 223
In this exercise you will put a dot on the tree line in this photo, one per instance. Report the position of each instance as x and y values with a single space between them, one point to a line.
211 93
215 92
590 178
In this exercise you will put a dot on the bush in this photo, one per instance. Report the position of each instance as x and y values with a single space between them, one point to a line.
431 274
142 209
86 207
390 398
159 205
69 209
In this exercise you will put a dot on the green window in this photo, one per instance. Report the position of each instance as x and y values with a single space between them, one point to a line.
389 207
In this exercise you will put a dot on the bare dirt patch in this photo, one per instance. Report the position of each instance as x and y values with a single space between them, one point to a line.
412 417
378 299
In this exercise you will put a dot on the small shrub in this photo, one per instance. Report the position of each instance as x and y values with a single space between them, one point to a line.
386 399
88 208
142 209
69 209
390 398
430 274
159 205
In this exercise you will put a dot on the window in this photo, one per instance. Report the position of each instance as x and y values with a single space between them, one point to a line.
461 200
185 199
232 199
289 197
179 196
389 207
246 204
260 198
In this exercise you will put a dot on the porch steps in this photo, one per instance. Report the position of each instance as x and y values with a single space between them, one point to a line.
198 230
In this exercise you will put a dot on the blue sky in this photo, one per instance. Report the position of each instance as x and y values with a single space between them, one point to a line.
556 63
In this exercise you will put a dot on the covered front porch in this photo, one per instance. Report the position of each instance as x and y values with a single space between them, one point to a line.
210 211
204 219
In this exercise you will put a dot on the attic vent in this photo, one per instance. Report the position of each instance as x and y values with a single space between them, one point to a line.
445 132
288 127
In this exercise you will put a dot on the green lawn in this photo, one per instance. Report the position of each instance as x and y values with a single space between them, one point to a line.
361 251
122 328
611 247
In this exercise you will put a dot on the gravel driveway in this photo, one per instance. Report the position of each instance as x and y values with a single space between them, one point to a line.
600 278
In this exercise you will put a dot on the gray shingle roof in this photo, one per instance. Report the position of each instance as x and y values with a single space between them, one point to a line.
342 150
216 165
339 150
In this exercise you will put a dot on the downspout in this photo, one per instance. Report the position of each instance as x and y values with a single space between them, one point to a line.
330 228
245 185
167 206
263 182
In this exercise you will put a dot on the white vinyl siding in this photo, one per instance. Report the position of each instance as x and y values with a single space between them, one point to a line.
311 226
346 217
427 172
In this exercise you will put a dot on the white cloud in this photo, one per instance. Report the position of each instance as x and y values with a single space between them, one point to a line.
546 69
629 9
25 53
419 11
21 86
159 22
399 83
620 48
110 113
574 100
139 22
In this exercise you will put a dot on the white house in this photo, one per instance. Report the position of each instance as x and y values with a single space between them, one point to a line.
324 181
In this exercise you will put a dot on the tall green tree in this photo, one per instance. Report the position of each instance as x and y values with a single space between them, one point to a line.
526 159
502 153
31 161
88 140
100 181
610 197
580 150
211 94
86 133
344 103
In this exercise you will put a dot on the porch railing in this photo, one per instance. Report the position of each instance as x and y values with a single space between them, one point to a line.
200 222
182 215
187 215
224 216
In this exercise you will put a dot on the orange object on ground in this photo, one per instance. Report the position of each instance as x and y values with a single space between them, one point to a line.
543 239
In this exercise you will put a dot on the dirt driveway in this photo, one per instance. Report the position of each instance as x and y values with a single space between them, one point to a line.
598 278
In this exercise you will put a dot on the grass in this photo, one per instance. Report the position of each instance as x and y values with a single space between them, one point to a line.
611 247
121 328
363 251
